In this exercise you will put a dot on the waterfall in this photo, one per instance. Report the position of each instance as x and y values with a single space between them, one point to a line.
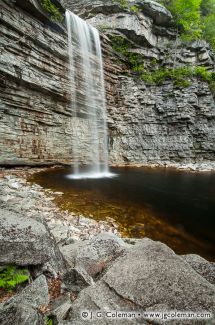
87 97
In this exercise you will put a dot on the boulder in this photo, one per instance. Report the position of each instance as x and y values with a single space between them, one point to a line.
94 255
20 315
156 11
35 295
26 241
149 276
201 266
77 279
61 307
101 297
23 308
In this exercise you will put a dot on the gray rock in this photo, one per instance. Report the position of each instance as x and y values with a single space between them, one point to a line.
20 315
162 125
160 276
61 307
26 241
34 8
34 295
22 309
77 279
70 252
94 255
155 10
201 266
101 297
150 276
92 7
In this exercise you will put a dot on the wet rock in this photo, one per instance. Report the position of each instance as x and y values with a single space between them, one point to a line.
201 266
26 241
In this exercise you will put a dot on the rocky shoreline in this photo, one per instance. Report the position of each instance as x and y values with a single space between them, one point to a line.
77 264
17 194
195 167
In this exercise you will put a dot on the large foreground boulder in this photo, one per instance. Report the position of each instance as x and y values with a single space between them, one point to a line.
26 241
149 276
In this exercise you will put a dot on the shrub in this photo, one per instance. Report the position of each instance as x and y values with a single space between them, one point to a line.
121 45
52 10
124 4
48 320
178 75
11 276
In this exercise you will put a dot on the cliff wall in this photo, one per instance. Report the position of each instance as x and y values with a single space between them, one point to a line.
148 124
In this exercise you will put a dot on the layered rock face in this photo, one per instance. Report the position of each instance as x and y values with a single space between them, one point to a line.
148 124
164 124
34 87
36 123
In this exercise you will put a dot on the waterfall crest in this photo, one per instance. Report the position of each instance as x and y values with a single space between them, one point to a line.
87 96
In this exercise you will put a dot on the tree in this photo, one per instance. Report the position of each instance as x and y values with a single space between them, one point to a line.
208 21
187 14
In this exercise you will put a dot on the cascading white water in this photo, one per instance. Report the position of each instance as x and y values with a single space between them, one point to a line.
87 96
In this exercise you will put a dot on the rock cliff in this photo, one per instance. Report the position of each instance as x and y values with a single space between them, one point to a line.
148 124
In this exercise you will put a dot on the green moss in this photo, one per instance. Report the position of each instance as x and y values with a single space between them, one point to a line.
102 28
179 76
204 74
11 276
134 9
52 10
124 4
48 320
122 46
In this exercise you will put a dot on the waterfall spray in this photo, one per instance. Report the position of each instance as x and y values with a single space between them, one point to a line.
88 93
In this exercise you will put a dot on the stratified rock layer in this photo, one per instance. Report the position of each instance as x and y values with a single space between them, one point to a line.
163 125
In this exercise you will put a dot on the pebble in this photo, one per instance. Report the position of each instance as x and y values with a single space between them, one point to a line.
31 199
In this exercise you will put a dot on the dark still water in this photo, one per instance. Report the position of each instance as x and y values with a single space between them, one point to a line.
175 207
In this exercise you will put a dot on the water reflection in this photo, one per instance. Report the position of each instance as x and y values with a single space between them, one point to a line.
171 206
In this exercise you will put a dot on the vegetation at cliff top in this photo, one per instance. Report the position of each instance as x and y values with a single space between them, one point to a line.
179 75
52 10
11 276
124 4
195 18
